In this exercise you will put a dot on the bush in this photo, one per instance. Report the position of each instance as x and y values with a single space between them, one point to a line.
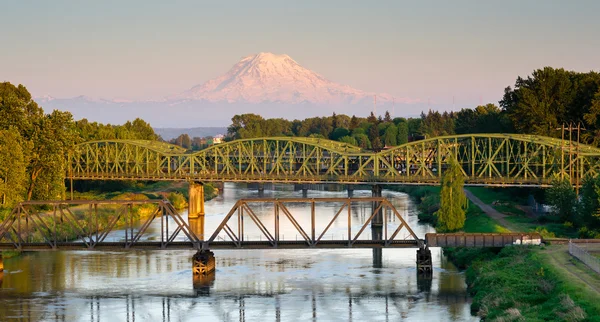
177 200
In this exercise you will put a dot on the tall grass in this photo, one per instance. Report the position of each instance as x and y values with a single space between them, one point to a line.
517 285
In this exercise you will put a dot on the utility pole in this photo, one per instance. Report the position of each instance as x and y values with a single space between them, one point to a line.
375 105
562 154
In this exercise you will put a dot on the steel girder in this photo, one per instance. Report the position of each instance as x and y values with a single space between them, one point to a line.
486 159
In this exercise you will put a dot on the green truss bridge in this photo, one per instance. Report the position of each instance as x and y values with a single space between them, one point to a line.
486 159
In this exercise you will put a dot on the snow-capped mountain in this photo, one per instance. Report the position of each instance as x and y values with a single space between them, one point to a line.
266 84
266 77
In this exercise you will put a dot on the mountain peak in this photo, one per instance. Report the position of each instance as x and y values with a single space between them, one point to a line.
267 77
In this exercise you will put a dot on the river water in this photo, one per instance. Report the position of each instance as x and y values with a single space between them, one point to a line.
249 285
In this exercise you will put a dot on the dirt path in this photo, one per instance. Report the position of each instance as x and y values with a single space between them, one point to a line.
557 255
490 211
572 268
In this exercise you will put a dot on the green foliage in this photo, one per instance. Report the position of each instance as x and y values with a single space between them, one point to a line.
13 168
177 200
483 119
338 133
589 207
349 139
435 124
453 201
517 284
551 97
390 136
563 198
402 137
479 222
136 130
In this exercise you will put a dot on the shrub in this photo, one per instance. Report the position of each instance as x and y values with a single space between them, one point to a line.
177 200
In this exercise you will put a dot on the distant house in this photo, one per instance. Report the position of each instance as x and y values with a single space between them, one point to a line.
218 138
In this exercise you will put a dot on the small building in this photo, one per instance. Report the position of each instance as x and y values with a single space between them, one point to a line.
218 138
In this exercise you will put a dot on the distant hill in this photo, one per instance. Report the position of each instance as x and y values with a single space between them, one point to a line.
171 133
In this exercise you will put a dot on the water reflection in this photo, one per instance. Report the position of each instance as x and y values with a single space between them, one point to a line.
279 285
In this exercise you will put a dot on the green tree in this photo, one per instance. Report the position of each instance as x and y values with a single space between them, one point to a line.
564 200
349 140
589 208
387 118
13 168
362 140
55 135
390 136
338 133
453 201
402 133
183 140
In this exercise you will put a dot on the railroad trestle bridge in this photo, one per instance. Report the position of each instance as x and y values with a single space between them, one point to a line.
485 159
115 225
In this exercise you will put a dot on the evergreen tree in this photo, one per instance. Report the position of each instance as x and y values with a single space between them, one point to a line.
387 118
562 196
453 201
354 123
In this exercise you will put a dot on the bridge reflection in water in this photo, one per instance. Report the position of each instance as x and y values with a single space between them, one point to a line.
387 297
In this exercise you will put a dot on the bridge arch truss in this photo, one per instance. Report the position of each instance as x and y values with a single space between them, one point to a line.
485 159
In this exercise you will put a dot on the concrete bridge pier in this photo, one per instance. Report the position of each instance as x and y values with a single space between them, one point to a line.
197 226
350 190
203 264
378 218
196 200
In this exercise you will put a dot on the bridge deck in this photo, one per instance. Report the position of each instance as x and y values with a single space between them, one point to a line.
122 246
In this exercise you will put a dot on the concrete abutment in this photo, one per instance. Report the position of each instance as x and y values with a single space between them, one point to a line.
196 200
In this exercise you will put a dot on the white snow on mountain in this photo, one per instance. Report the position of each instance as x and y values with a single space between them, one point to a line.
266 77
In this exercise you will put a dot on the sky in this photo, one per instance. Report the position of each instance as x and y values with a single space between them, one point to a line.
448 53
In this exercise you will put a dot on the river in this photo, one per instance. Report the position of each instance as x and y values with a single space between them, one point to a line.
249 285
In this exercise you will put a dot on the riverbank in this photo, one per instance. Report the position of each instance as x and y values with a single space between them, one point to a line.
515 283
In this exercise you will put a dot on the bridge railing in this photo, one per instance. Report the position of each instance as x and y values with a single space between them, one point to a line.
90 224
312 234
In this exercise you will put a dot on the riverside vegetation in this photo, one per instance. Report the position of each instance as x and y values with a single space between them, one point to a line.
519 283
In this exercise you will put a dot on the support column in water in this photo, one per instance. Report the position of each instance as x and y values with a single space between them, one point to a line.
203 263
203 272
378 218
350 190
261 189
196 200
424 261
304 190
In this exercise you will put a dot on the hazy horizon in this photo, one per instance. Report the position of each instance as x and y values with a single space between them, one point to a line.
445 55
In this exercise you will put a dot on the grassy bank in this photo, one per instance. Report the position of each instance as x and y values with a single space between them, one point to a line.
518 284
513 203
